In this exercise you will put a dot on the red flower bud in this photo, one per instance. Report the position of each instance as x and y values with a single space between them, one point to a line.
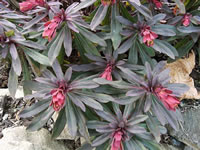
157 3
148 36
58 99
166 96
186 20
30 4
107 74
51 27
117 139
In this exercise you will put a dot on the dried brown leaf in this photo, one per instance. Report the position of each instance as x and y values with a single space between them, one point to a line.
180 71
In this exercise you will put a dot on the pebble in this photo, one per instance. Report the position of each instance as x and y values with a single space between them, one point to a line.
5 117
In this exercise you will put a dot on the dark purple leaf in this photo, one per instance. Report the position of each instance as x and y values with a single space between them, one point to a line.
91 102
68 41
147 104
136 129
124 21
35 109
137 119
106 115
99 16
41 120
96 124
178 88
95 58
137 91
12 82
101 139
16 64
126 100
68 74
126 45
76 100
58 70
84 67
4 52
13 51
71 118
59 124
133 76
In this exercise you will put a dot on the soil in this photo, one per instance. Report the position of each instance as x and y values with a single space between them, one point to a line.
4 72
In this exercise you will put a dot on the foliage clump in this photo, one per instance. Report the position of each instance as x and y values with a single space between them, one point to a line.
100 65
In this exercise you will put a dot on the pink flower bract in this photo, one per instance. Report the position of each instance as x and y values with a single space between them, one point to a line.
58 99
166 96
30 4
117 139
157 3
107 74
186 20
51 27
148 36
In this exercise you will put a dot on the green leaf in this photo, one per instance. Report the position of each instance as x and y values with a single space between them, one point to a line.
115 27
41 120
92 37
133 54
32 44
87 45
185 48
55 47
99 16
40 58
59 124
143 10
83 4
125 13
153 127
165 30
26 75
137 119
145 58
100 140
189 29
12 82
34 21
164 47
83 130
35 109
71 118
91 102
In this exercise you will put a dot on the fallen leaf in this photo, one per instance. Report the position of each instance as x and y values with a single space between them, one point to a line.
180 73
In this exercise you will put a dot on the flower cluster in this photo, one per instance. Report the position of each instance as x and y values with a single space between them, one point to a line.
58 96
148 36
166 96
51 27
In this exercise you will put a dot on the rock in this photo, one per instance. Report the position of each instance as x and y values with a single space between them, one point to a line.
5 116
19 93
19 138
168 147
189 134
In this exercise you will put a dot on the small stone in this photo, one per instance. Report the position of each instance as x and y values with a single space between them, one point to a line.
5 117
19 138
